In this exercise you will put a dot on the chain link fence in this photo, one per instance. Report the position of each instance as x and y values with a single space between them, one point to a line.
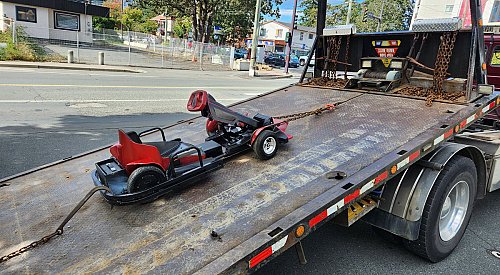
126 48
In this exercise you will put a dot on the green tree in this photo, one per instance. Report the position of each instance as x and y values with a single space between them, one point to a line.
182 27
309 12
131 18
396 15
232 15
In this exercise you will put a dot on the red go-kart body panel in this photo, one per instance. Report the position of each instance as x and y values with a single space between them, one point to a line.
132 155
278 123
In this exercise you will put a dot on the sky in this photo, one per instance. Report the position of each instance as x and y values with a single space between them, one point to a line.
286 9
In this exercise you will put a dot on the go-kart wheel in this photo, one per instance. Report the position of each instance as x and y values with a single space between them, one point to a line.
265 145
145 177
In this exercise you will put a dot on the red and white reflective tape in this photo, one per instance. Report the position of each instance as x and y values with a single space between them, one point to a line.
268 252
358 192
408 159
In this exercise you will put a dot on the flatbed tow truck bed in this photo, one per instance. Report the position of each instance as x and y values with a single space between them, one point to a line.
253 206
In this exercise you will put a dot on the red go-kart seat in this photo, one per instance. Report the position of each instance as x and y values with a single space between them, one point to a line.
132 153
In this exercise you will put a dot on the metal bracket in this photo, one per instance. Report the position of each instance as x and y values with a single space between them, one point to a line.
437 25
339 30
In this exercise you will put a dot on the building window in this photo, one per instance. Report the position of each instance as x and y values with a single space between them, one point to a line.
495 12
26 14
279 32
301 36
67 21
495 57
311 36
448 8
263 32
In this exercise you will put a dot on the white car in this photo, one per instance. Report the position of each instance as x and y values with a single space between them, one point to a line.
303 60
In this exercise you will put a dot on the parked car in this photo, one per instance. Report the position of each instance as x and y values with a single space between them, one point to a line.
303 60
240 53
278 60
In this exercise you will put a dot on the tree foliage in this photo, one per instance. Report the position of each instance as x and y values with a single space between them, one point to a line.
130 18
396 14
235 17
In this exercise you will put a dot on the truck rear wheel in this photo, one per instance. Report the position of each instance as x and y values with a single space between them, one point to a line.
447 211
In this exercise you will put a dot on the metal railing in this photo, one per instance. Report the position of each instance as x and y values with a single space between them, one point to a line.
127 48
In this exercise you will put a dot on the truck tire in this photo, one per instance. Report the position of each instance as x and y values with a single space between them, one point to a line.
144 178
447 210
265 145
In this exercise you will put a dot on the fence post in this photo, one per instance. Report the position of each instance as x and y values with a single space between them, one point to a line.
78 47
231 57
129 48
161 44
14 37
201 54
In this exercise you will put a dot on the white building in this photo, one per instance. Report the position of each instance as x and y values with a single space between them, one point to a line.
52 19
272 34
427 9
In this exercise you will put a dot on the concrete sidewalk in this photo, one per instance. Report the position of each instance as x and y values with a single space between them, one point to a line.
67 66
272 74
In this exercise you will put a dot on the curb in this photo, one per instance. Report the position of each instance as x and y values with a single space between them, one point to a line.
275 76
38 66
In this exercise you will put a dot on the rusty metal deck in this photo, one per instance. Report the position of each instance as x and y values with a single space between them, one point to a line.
172 235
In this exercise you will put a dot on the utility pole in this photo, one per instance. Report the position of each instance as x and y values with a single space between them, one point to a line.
349 12
289 43
255 38
380 17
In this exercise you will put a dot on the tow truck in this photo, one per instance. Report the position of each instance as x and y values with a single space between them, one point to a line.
408 164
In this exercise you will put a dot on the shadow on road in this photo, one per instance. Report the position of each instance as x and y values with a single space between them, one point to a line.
27 147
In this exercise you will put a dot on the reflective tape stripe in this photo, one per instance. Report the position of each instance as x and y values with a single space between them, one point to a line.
416 154
321 216
402 163
381 177
352 196
367 186
438 140
334 208
471 118
448 134
278 245
268 252
261 256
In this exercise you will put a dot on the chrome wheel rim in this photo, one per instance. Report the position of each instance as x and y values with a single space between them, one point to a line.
453 210
269 145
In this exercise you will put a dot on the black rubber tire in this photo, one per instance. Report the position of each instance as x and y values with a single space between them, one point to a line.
144 178
258 145
429 244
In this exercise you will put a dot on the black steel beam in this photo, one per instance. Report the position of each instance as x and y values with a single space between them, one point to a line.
320 25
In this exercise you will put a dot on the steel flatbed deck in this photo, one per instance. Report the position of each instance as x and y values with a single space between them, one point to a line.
254 206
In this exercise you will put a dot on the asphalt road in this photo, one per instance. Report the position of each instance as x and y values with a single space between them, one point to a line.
48 115
51 114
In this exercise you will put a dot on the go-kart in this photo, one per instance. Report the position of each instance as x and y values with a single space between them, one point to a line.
141 171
